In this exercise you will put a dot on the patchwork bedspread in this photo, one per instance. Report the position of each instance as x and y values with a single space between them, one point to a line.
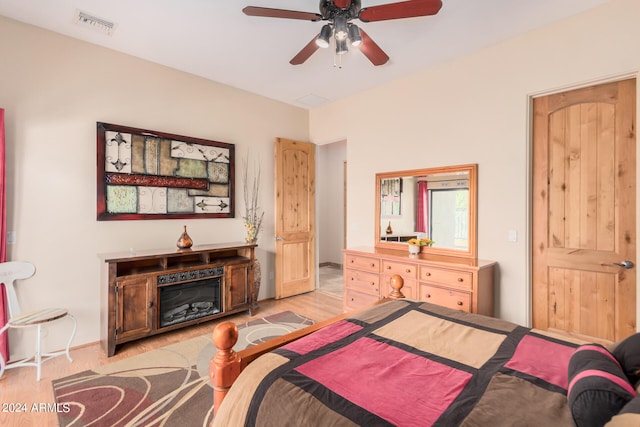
407 363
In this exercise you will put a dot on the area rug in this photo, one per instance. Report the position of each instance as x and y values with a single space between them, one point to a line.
168 386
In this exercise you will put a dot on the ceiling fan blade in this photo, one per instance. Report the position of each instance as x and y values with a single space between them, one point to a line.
371 50
305 53
281 13
403 9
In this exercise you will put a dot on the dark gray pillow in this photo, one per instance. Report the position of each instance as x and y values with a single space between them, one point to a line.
598 387
627 352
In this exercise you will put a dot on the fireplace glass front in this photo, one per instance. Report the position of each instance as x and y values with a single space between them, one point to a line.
188 301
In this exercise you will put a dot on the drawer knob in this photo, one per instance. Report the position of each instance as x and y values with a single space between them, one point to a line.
373 283
372 265
459 302
427 274
352 261
408 270
460 279
428 296
388 267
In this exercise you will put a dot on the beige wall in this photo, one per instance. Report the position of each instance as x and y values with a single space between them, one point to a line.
476 110
54 89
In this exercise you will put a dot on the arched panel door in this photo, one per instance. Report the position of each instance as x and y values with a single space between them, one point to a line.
584 212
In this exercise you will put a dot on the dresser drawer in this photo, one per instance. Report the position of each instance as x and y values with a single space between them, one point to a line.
362 281
354 299
445 297
459 279
407 271
362 263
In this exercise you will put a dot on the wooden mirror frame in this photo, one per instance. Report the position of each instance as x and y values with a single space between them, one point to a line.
472 170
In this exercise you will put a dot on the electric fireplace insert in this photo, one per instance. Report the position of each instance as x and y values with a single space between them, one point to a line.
189 295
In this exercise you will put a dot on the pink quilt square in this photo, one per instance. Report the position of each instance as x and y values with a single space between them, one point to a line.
422 389
542 359
322 337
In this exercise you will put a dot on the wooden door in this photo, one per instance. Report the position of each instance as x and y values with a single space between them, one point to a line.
295 193
584 197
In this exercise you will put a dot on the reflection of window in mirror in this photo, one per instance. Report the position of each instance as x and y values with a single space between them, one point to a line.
442 212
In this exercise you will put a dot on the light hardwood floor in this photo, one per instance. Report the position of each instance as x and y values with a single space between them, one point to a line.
331 280
19 386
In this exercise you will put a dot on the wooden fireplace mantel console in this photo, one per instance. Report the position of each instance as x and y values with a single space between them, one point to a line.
133 281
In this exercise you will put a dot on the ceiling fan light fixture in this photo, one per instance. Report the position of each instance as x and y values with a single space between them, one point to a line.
341 46
324 36
354 35
341 32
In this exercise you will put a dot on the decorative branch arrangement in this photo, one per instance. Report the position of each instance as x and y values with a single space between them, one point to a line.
253 213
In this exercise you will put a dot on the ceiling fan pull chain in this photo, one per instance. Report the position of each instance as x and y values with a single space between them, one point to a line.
337 60
337 57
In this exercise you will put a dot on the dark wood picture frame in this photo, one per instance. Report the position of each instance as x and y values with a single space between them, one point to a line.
146 175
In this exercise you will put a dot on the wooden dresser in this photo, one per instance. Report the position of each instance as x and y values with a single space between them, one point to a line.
459 283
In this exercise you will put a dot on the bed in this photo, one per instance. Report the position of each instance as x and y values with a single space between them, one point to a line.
411 363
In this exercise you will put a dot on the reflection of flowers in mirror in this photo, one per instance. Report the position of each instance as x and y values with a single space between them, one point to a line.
425 241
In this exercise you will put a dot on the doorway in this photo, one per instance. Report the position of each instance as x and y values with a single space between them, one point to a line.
584 217
331 212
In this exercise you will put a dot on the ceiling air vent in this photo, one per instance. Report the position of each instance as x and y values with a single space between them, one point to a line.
312 100
96 24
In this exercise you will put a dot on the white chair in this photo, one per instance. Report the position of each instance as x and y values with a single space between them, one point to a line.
15 270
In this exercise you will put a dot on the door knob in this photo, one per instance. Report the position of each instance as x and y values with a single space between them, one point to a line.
279 238
625 264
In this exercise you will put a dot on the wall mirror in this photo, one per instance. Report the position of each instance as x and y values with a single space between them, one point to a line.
435 203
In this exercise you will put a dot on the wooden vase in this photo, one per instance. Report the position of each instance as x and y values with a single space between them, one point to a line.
257 278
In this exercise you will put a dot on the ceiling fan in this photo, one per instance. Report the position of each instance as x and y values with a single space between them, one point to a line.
339 14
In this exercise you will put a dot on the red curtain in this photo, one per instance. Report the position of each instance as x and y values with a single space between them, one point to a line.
4 342
422 225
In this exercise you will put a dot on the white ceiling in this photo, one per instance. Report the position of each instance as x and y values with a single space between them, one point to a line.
215 40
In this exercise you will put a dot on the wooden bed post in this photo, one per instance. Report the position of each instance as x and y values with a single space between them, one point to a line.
397 282
224 367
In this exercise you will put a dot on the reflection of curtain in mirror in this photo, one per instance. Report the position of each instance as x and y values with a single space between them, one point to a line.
421 208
